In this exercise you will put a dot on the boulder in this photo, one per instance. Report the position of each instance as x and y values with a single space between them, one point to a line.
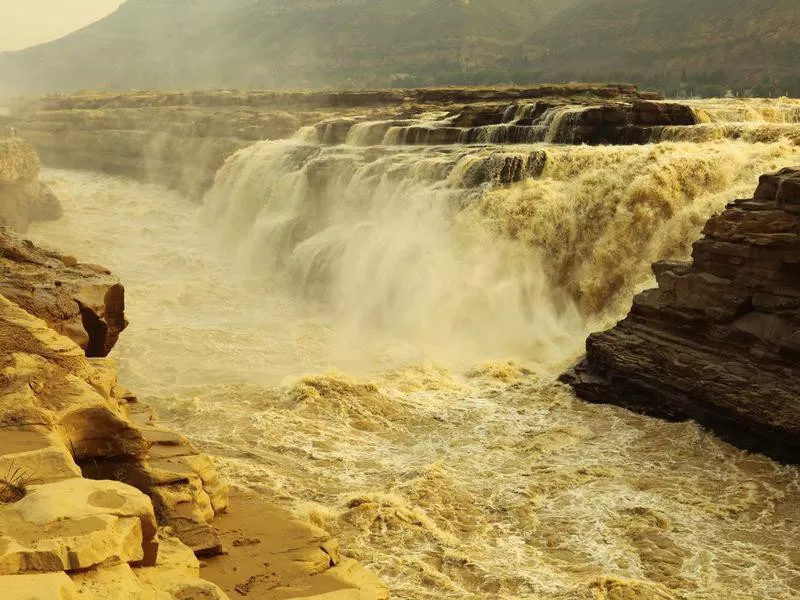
84 302
22 198
719 340
23 203
40 586
177 574
76 524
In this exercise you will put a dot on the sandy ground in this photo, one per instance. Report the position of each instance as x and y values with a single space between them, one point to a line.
271 556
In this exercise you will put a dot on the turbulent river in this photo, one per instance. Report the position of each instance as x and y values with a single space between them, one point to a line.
363 336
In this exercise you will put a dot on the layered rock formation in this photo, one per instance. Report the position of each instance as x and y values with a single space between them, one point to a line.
83 302
96 500
60 533
181 139
22 198
719 339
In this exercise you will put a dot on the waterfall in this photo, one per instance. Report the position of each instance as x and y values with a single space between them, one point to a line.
390 239
492 249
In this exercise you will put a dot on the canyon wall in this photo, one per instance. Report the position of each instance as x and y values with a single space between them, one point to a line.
87 480
181 139
718 340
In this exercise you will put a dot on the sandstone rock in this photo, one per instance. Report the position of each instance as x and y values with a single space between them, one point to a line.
83 302
111 583
183 485
35 455
52 394
46 586
23 203
76 524
717 341
49 386
176 575
22 198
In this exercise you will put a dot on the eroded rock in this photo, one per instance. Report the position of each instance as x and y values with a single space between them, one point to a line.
719 340
84 302
60 411
40 586
76 524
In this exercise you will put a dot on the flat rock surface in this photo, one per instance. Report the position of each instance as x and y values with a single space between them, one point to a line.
75 524
272 556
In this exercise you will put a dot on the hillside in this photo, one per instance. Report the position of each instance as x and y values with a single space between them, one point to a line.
746 43
380 43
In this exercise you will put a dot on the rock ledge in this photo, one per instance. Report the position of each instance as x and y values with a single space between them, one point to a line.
719 340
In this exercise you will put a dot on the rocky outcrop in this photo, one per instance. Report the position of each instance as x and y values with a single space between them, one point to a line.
63 417
181 139
563 121
84 302
621 123
719 339
23 199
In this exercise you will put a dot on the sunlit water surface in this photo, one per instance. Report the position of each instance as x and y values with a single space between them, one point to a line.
449 473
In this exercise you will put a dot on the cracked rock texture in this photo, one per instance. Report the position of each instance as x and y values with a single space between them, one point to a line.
718 340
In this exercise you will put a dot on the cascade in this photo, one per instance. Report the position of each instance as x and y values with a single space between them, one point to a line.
370 332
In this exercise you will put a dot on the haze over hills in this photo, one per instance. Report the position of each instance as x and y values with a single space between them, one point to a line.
712 45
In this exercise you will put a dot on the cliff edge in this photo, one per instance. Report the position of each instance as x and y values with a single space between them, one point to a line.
98 501
718 340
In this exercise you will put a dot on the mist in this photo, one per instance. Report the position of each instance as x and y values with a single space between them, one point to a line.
25 24
275 44
417 299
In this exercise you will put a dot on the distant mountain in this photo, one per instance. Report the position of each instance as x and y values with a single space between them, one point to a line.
741 43
380 43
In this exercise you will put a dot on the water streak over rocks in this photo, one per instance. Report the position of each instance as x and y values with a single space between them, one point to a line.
719 339
449 475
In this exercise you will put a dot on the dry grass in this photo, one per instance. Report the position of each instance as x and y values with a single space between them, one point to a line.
13 485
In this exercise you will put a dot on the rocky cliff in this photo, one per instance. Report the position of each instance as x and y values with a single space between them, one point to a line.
22 198
181 139
66 529
83 302
98 501
719 340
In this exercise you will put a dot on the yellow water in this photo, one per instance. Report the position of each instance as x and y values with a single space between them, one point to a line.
376 348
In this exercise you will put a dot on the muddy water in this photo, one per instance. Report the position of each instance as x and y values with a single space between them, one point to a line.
415 415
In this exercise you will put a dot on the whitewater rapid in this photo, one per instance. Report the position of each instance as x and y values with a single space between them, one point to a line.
378 353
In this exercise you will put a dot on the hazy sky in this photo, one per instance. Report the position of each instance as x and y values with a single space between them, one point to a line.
28 22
